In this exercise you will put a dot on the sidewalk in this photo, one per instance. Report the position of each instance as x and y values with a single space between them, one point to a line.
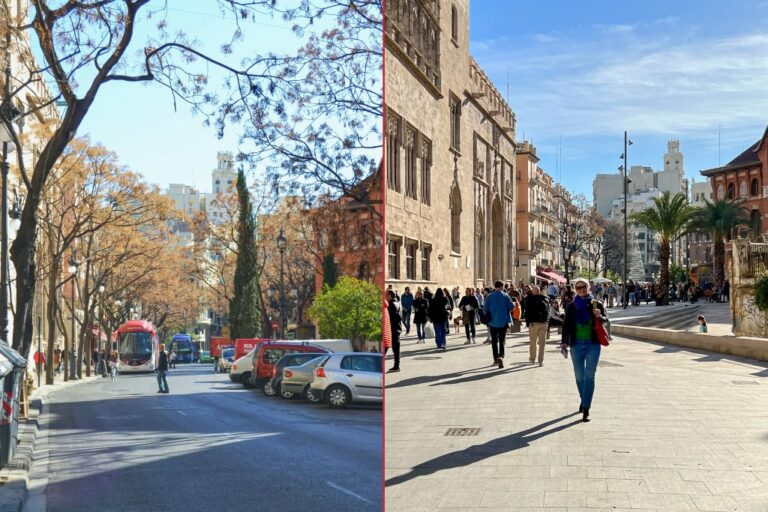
14 478
718 315
672 429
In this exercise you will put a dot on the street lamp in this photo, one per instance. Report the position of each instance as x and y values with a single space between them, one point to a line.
626 181
281 241
73 264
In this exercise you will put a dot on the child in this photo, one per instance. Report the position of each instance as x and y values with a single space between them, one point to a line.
702 323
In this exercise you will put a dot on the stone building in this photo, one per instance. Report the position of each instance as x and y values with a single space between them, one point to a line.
537 234
450 153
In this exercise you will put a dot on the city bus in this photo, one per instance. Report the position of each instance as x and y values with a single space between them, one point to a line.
185 348
137 344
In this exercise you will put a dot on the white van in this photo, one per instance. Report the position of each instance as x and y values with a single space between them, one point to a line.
332 345
241 368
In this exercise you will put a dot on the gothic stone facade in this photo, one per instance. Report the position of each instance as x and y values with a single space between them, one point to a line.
450 154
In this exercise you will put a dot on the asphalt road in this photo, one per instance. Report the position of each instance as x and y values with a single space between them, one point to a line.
208 445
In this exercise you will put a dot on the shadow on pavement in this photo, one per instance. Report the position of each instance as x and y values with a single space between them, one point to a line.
476 453
424 379
487 375
710 357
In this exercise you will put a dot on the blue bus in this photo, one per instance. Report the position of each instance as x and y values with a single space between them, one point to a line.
185 348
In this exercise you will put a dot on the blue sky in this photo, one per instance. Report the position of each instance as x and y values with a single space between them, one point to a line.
138 121
583 72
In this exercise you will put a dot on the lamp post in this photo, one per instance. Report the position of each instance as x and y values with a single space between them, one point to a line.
626 181
281 241
72 353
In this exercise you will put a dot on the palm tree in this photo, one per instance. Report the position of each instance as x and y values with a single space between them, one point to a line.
718 219
669 218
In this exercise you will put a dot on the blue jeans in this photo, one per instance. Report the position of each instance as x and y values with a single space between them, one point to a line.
440 334
420 331
162 382
407 319
585 355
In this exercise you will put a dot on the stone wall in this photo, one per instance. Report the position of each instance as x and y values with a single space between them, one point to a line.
748 319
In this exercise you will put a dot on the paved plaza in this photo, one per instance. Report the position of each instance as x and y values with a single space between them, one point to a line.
672 429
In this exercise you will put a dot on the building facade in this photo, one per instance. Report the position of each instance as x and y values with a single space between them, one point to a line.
537 240
450 153
744 178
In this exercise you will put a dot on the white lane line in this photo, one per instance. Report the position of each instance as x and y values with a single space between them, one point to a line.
347 491
183 413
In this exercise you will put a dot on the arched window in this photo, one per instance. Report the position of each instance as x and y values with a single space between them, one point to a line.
720 192
455 204
731 191
454 24
754 187
743 188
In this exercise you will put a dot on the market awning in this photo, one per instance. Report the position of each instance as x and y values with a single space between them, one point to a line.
98 334
555 277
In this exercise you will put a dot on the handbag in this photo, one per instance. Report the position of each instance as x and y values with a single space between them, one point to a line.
516 326
602 334
429 331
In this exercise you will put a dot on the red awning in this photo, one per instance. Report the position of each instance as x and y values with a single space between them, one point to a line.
556 277
98 334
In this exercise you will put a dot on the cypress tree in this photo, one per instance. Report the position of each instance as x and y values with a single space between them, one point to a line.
330 274
244 314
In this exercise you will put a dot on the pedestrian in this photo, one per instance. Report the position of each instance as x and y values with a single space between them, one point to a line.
449 308
428 294
57 359
172 359
498 306
468 305
580 336
420 308
406 305
702 323
438 315
395 326
486 293
537 318
114 365
632 301
568 296
552 291
162 370
725 295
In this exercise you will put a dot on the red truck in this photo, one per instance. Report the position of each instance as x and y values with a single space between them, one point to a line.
245 345
217 343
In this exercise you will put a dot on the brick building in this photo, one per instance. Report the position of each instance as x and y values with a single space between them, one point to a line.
745 178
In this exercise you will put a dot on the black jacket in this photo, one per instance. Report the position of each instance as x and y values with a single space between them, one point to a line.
395 320
536 309
420 307
569 326
162 365
437 310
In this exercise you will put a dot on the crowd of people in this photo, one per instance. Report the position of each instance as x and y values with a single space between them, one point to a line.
572 310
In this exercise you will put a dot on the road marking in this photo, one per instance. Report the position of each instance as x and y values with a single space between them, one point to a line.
347 491
183 413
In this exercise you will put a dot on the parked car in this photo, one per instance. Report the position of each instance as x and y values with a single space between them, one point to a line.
297 380
270 352
226 359
344 378
205 357
241 369
272 386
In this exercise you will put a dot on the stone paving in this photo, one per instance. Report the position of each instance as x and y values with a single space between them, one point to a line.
672 429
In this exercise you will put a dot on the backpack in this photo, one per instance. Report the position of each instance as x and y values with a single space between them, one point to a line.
485 317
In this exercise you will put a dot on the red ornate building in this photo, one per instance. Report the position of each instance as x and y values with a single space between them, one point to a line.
746 178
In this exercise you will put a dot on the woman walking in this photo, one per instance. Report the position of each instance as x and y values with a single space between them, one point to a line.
580 336
420 308
438 315
468 305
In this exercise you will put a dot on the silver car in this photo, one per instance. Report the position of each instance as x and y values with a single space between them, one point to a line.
296 380
349 377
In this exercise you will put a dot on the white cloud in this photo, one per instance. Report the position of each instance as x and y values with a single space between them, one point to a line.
655 86
546 38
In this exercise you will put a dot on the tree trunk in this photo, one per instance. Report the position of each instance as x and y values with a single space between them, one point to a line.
719 262
51 320
664 278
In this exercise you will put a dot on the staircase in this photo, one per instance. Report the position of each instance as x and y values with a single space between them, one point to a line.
680 317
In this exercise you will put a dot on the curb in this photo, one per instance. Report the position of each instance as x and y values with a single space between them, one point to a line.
14 478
